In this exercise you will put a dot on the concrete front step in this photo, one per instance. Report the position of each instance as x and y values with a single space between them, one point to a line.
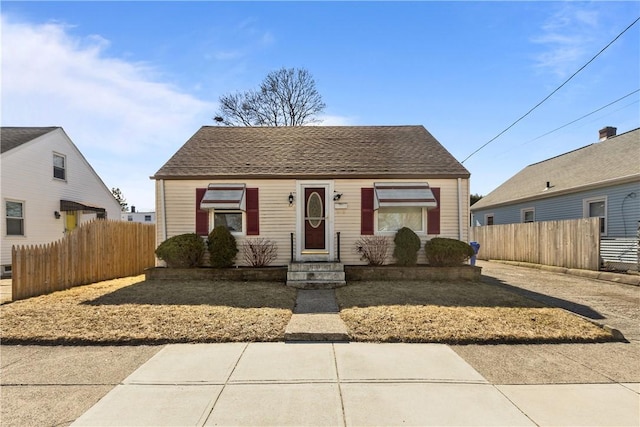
316 275
330 276
316 284
316 266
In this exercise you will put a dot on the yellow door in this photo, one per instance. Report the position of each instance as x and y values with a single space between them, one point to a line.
72 220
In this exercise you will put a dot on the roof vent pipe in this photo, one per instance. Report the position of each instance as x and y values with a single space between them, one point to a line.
607 132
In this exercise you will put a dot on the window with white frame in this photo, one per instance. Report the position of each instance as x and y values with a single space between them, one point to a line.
14 212
396 217
59 166
488 219
528 215
147 218
230 219
597 208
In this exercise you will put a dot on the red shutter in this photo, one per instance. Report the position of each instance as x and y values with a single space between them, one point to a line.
253 212
202 215
433 215
366 213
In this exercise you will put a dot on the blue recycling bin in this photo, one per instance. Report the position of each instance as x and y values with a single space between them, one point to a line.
476 248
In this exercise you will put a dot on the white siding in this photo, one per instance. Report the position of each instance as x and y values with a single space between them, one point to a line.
278 219
27 175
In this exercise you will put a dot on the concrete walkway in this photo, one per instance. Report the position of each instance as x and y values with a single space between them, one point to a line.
316 317
344 384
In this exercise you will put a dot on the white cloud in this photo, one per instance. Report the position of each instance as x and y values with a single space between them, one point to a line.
124 119
566 38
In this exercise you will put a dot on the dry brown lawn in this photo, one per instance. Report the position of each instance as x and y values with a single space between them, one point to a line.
132 311
463 312
135 311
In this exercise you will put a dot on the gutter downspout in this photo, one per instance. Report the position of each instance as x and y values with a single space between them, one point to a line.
163 209
460 233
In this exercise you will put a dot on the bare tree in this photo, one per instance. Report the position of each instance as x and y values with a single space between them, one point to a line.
286 97
120 198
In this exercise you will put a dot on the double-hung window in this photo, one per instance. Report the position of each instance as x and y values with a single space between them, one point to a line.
227 202
597 208
14 212
394 218
59 166
402 205
528 215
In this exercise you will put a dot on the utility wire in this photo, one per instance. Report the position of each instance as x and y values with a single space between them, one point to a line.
554 91
586 115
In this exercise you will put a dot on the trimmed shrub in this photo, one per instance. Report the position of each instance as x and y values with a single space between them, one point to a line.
407 247
259 252
222 247
373 249
442 252
182 251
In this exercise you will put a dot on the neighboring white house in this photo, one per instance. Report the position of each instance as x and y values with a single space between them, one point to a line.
313 190
135 216
48 188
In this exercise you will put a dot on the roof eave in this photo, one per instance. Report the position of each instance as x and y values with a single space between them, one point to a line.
314 176
547 195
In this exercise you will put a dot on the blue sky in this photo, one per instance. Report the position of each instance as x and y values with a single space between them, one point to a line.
130 82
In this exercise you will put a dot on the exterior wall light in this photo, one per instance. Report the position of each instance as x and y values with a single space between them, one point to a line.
291 199
337 197
56 214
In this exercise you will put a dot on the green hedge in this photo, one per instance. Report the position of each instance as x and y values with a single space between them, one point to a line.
182 251
222 247
407 245
442 252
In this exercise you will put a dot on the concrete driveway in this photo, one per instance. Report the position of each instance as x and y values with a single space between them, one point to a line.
50 386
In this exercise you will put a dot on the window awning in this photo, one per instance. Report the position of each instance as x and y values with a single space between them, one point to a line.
412 194
224 196
68 205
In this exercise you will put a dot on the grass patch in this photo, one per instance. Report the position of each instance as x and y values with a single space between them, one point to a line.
463 312
134 311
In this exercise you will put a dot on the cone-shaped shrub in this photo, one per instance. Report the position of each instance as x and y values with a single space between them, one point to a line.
182 251
222 247
443 252
407 247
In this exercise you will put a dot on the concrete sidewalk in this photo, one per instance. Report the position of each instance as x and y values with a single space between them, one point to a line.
344 384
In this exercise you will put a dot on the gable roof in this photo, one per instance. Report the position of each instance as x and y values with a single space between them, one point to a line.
611 161
312 152
12 137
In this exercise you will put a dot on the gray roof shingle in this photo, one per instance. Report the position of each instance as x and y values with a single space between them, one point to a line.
312 151
611 160
12 137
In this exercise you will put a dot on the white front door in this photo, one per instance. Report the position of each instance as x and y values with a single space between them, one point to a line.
314 221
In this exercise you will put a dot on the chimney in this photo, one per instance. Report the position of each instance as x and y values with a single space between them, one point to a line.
133 209
607 132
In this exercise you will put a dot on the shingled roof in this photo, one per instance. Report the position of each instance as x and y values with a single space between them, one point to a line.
611 161
12 137
312 152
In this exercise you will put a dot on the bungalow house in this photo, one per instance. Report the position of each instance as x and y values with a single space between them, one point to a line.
599 180
313 190
48 189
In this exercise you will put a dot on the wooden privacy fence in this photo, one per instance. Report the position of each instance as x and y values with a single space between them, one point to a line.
571 243
99 250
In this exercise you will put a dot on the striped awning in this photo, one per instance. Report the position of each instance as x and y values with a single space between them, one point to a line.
225 197
390 194
68 205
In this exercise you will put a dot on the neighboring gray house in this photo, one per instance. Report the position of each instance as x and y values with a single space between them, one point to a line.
598 180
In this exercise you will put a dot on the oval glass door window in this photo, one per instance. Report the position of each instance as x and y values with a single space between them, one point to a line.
314 210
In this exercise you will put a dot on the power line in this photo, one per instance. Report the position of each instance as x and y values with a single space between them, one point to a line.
586 115
554 91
